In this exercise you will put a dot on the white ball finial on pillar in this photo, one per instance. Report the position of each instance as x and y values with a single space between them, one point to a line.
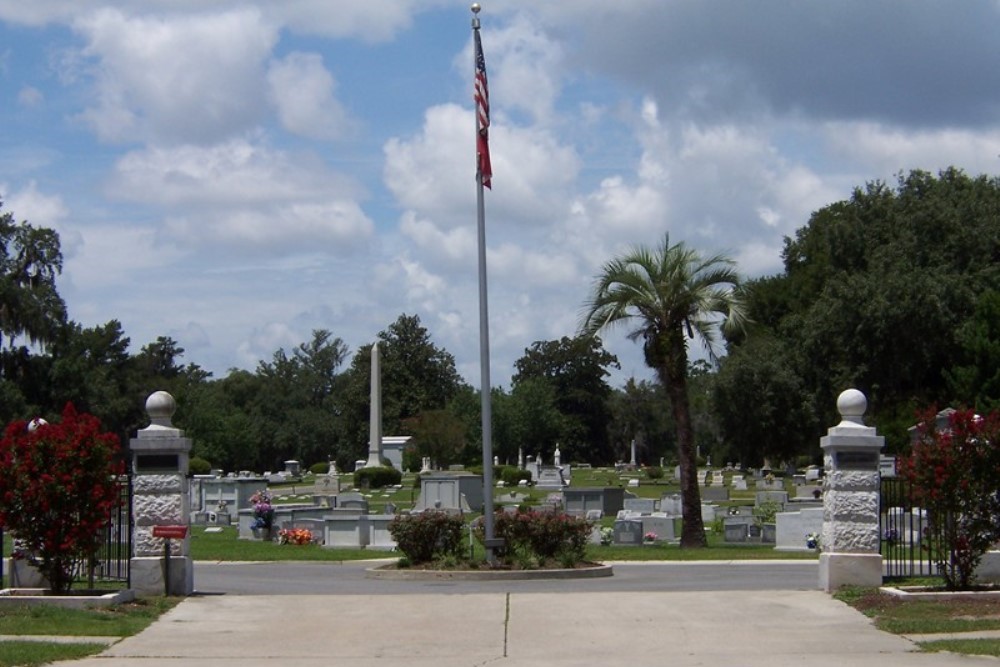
852 404
161 406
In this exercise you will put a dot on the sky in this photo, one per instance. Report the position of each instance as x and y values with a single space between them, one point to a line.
235 175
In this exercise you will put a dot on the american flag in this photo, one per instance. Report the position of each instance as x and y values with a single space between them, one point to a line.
482 98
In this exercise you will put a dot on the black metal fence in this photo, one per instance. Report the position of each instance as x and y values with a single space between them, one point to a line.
115 554
906 546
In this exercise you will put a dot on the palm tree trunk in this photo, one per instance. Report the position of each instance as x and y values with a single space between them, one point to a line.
692 526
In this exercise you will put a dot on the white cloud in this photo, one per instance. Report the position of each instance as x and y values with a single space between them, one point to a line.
245 194
302 90
887 150
188 78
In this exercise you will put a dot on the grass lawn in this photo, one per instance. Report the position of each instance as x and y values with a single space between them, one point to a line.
28 653
117 621
901 616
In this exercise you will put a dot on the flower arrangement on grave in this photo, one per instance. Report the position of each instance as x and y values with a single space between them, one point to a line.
263 510
812 541
607 535
649 537
298 536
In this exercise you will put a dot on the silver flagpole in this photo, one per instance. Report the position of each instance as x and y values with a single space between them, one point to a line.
484 340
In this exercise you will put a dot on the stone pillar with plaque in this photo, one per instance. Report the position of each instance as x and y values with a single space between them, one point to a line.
850 538
160 504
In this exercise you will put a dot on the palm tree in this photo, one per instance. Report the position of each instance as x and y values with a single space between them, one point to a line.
669 295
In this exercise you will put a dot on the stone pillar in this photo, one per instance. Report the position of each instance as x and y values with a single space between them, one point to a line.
850 539
160 498
375 414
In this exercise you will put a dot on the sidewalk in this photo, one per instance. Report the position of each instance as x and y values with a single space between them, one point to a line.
731 628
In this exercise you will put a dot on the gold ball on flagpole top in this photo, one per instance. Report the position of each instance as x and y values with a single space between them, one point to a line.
475 7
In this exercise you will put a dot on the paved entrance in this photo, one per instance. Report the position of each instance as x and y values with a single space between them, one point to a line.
732 628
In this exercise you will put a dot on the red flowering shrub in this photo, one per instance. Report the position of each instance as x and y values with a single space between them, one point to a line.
58 487
427 536
542 535
956 478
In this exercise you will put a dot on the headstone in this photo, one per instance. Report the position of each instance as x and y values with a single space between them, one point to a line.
557 457
780 497
640 505
325 489
738 483
633 483
550 477
354 501
628 531
659 524
579 499
672 505
594 515
736 528
715 493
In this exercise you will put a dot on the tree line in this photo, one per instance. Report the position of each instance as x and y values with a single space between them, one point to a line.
893 291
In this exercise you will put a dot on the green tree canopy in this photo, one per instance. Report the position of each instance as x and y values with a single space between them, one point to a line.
576 369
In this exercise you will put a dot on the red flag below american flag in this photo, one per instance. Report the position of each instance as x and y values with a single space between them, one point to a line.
482 97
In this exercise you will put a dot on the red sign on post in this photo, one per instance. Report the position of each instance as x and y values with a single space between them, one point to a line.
170 532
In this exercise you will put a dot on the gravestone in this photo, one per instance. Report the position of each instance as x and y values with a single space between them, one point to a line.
640 505
715 493
672 505
452 492
736 528
738 483
550 477
659 524
578 500
628 532
780 497
353 501
326 488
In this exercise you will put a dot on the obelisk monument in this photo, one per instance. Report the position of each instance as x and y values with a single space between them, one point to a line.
375 414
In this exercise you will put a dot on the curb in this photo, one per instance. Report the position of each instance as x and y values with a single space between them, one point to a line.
390 573
62 639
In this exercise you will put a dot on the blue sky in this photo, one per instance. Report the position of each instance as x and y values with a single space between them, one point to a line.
236 174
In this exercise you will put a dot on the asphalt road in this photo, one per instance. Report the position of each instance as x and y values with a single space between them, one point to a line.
348 578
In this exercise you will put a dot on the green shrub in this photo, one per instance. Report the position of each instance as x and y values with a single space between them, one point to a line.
654 472
320 468
428 536
199 466
377 477
541 535
511 475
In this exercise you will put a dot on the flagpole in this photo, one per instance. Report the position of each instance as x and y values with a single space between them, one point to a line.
484 335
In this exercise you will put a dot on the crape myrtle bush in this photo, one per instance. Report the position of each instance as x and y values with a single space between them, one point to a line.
427 536
543 535
58 486
377 477
956 478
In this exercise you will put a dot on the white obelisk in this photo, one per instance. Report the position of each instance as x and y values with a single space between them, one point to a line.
375 414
